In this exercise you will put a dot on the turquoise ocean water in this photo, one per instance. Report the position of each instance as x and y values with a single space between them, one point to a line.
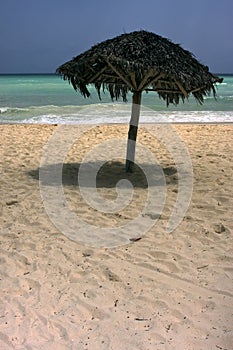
48 99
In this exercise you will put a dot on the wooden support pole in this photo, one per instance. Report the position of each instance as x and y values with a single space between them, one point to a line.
120 74
149 83
133 129
182 89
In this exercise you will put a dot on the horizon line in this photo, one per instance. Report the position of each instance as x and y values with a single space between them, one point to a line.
54 73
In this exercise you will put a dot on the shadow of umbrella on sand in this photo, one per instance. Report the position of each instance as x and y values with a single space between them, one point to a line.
136 62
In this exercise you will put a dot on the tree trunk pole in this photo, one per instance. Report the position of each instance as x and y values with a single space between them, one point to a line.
133 129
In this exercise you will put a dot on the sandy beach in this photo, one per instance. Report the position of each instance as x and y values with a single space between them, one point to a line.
161 291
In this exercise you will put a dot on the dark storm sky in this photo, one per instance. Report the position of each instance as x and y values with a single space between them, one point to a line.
37 36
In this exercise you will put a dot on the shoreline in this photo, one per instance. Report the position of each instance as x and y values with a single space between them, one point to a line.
140 124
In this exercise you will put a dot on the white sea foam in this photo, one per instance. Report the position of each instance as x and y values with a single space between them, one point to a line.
3 109
103 115
10 110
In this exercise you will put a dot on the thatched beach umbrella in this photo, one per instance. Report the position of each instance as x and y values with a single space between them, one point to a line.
136 62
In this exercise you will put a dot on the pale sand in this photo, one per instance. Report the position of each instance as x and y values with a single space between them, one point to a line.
165 291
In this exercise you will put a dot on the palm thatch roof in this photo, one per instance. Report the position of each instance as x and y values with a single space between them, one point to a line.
140 61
